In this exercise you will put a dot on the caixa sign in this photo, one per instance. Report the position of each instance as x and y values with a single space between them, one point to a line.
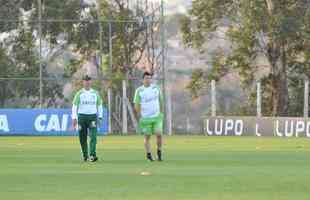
257 126
41 122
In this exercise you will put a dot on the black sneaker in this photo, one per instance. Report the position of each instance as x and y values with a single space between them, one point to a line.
159 157
93 158
149 157
85 159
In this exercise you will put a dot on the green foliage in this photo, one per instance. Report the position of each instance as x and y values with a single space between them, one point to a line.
21 61
63 29
71 67
105 64
273 30
10 10
196 83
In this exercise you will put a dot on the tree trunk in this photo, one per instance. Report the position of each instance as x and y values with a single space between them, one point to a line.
3 95
277 59
279 87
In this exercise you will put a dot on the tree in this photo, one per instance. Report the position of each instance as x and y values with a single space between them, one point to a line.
277 31
22 64
19 62
73 26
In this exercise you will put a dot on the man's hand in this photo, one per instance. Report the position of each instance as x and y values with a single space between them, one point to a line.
74 123
100 120
137 109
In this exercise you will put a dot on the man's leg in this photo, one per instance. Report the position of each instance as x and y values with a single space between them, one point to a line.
147 145
93 138
158 129
159 140
83 137
146 130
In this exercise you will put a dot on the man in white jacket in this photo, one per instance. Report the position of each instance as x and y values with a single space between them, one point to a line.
86 110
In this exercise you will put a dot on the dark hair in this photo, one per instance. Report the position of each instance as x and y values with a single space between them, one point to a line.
147 74
86 77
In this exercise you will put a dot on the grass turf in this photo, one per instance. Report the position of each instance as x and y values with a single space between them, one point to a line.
215 168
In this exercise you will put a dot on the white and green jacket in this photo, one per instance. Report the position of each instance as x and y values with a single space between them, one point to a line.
150 99
87 102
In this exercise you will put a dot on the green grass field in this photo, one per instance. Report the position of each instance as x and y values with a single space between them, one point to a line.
195 167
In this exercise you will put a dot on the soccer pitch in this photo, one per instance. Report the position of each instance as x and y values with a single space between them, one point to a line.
195 167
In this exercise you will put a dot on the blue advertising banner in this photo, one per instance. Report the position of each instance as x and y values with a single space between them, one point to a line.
41 122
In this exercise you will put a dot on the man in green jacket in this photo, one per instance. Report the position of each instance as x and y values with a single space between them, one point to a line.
86 111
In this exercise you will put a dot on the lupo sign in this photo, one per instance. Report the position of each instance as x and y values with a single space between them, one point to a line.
257 126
